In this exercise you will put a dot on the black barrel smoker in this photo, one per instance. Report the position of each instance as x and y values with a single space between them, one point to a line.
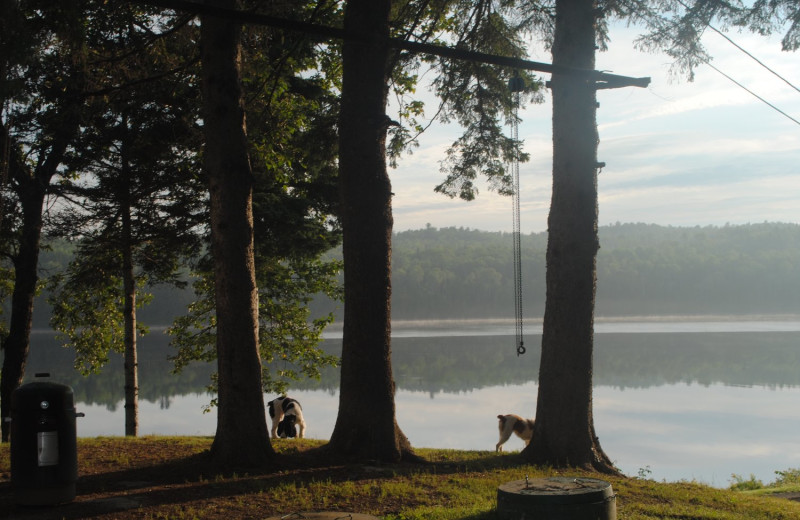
44 452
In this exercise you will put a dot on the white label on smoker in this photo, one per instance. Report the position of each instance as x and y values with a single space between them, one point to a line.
48 448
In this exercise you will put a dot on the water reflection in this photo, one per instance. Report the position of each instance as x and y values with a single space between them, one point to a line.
157 383
453 364
685 405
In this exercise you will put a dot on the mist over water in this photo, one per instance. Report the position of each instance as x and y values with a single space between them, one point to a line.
602 325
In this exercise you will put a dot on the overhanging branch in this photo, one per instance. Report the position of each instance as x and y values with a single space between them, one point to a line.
604 79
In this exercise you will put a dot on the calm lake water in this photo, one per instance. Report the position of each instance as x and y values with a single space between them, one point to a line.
677 400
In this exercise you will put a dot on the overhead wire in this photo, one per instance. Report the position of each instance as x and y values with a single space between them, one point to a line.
730 40
753 57
740 85
778 110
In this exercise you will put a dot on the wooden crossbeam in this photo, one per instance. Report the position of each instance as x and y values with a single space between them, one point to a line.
603 79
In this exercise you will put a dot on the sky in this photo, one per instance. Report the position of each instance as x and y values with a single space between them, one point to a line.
677 153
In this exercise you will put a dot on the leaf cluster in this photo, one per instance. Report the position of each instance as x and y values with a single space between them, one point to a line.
474 95
88 314
131 180
133 188
676 27
291 94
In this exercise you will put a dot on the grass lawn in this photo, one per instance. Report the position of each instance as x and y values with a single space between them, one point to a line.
169 477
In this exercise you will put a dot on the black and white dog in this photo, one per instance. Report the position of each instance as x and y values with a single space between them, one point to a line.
511 423
286 413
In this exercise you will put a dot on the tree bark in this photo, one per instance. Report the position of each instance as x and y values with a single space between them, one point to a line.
131 365
241 438
32 188
564 431
366 426
17 344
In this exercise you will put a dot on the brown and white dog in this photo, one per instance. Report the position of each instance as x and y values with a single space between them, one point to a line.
285 413
511 423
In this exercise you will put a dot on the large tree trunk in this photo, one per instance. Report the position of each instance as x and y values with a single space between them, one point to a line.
564 433
32 186
366 428
17 344
241 437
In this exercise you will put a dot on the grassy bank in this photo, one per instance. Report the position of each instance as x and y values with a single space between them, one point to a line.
168 477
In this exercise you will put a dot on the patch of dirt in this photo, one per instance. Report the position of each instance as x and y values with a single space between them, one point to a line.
788 496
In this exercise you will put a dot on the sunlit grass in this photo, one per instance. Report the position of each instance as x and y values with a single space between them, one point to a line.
787 481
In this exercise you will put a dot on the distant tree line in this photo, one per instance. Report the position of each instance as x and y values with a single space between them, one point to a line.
642 269
748 269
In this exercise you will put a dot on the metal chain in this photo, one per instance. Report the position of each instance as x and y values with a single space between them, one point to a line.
516 86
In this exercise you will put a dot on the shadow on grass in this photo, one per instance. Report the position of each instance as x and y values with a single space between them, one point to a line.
488 515
194 479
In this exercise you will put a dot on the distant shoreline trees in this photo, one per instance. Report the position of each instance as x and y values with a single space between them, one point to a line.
643 270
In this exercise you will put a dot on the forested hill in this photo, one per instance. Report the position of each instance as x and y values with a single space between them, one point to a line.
641 270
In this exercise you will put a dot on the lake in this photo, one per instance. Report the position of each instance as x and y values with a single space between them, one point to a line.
674 400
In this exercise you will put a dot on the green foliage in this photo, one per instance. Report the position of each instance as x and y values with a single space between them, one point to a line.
789 477
787 481
87 311
477 96
133 199
288 336
292 106
474 95
426 21
738 483
676 28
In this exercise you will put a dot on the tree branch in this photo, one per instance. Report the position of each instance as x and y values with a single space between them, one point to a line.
325 32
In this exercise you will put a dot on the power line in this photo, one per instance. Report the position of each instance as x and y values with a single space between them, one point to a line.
753 57
754 94
729 78
744 51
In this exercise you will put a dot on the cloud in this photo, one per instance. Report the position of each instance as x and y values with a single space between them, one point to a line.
678 153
